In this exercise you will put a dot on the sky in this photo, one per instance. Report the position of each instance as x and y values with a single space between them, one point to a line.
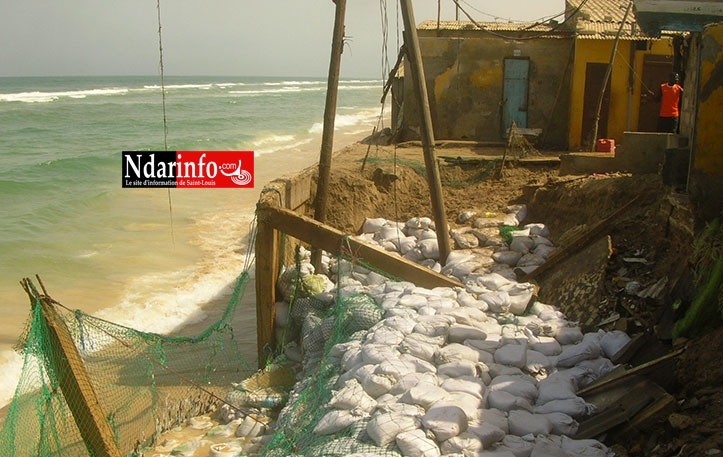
214 37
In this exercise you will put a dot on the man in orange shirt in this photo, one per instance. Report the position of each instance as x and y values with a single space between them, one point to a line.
669 97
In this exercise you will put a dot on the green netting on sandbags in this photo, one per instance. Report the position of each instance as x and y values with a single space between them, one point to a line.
297 433
139 397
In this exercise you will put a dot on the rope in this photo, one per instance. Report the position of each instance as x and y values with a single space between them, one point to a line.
165 122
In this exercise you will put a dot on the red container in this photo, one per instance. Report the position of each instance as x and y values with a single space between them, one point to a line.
606 145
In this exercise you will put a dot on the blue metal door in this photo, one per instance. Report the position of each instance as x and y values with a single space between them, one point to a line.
515 93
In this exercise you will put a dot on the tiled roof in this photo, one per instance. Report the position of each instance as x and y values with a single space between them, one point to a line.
492 26
601 19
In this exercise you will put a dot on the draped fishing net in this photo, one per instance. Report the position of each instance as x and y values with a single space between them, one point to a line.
145 382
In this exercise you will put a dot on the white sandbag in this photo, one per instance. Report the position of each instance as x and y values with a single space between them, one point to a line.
518 302
548 446
373 225
351 396
546 345
433 340
519 446
584 448
523 423
543 250
338 350
470 404
395 368
613 342
467 315
351 358
484 345
429 248
417 348
445 421
495 453
410 380
514 355
507 257
419 222
516 385
597 368
522 244
572 355
465 443
432 328
537 362
491 281
545 312
384 428
455 351
505 401
385 336
413 301
337 420
467 384
562 424
359 372
428 235
403 324
569 335
376 385
573 407
497 302
250 427
424 395
488 433
438 318
496 369
557 386
462 270
426 311
407 244
377 353
420 366
458 333
442 303
457 368
530 260
415 443
538 229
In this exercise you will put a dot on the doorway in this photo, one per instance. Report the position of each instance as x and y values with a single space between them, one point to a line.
594 75
656 69
514 106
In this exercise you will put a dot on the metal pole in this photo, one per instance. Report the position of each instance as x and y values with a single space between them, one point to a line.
327 137
430 160
607 77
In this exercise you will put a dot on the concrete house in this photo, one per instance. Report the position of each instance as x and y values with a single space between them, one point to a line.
541 76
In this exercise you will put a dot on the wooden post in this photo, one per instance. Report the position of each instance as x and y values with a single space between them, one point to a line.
76 386
267 263
430 160
327 137
607 78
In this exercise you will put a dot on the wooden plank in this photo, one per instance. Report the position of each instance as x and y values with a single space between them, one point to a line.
327 135
330 239
77 389
416 70
578 243
267 268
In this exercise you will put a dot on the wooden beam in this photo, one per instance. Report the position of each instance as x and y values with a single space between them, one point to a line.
416 70
578 243
267 270
330 239
327 136
77 389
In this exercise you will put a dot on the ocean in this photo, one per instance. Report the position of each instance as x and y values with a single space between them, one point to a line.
114 252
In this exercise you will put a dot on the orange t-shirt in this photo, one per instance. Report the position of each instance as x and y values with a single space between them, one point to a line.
671 100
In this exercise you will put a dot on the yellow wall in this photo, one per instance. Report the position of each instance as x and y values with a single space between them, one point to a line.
598 51
709 139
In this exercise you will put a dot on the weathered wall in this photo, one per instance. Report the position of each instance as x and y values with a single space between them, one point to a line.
598 51
706 180
689 102
465 72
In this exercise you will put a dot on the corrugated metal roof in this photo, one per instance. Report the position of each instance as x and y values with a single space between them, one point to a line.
601 19
493 26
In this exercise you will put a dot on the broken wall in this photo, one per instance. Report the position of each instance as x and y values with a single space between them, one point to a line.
465 82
